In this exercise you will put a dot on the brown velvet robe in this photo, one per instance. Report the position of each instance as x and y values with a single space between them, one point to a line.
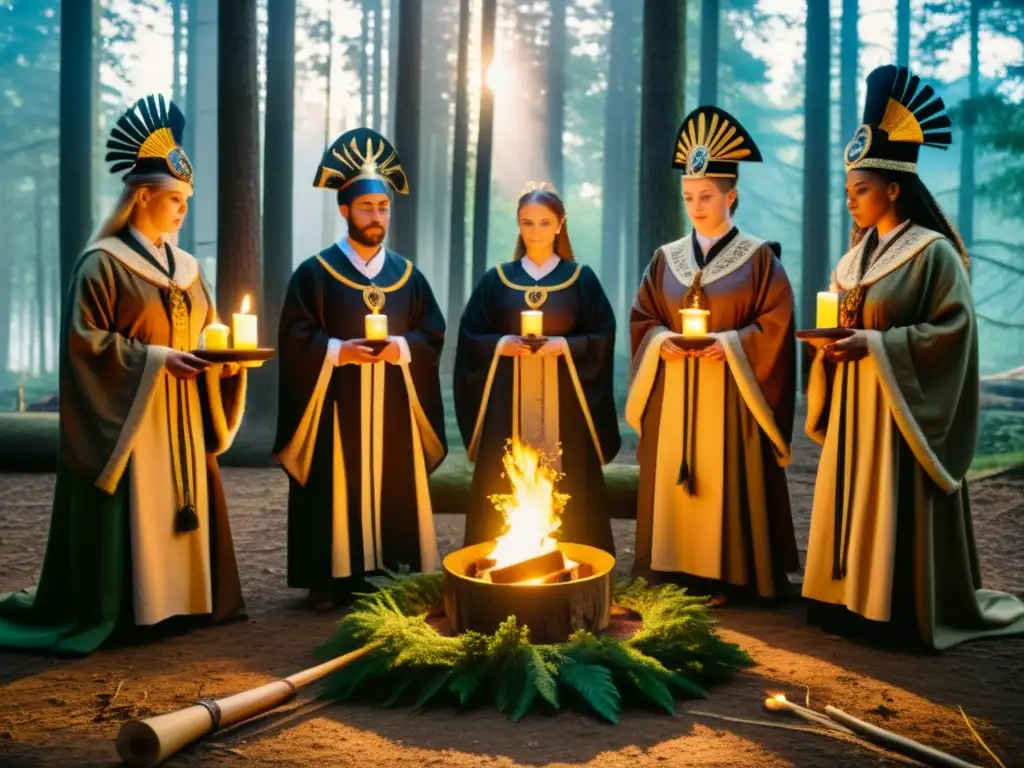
734 524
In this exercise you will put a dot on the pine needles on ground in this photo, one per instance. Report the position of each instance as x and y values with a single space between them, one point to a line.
674 655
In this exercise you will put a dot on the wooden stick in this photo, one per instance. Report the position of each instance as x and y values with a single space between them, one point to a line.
897 743
779 703
146 743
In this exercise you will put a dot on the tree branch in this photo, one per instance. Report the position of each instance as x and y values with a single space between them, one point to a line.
998 263
1000 323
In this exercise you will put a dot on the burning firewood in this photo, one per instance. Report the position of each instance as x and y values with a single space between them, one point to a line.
532 568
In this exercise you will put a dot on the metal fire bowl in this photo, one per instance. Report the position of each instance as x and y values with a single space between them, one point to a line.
551 611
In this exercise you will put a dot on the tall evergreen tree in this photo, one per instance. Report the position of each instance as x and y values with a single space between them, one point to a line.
77 130
661 113
407 129
485 142
460 159
558 64
238 180
849 109
709 30
816 258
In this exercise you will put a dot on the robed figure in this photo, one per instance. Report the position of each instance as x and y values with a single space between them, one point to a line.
139 531
891 553
360 424
557 398
715 425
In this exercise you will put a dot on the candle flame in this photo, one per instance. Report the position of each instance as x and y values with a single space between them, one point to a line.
779 697
245 305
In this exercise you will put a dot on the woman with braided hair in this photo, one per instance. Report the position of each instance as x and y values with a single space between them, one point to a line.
715 425
139 531
557 398
891 553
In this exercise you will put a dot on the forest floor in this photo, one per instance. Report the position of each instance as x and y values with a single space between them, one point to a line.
66 712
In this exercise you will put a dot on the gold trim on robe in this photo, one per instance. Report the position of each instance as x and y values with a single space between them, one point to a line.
297 459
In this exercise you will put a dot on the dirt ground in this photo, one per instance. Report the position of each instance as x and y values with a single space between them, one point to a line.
66 713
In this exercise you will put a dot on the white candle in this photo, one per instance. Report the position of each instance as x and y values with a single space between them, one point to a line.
828 309
376 327
215 336
531 323
243 327
695 322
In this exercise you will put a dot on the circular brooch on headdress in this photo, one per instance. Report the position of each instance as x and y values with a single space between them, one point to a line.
179 164
859 145
697 162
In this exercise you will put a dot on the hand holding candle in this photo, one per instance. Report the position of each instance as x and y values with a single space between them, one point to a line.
828 310
531 323
244 327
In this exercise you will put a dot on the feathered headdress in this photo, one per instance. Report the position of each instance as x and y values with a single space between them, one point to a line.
147 139
900 115
361 162
711 143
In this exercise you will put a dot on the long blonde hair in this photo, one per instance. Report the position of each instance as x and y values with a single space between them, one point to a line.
121 214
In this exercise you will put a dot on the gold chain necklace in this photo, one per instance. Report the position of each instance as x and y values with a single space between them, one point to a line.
536 295
374 295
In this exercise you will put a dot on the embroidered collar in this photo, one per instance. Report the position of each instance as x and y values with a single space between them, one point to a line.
186 267
909 244
714 246
682 261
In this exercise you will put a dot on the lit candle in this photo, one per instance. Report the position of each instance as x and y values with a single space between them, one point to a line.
376 327
531 323
243 327
215 336
828 309
695 322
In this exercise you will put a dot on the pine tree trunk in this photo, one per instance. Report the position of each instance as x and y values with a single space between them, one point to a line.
556 77
709 30
614 191
485 141
630 181
76 132
364 65
278 161
238 182
40 313
815 241
848 112
6 310
661 113
406 135
460 170
329 212
187 236
394 30
965 194
176 50
903 33
378 63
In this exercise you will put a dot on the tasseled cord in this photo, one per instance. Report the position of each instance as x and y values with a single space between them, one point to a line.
687 481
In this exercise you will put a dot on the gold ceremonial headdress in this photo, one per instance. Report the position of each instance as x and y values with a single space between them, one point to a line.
147 139
899 116
534 186
361 162
711 144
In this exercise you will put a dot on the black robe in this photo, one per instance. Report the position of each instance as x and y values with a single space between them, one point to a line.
582 314
326 489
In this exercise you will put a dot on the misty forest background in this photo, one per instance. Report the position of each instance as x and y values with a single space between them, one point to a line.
480 96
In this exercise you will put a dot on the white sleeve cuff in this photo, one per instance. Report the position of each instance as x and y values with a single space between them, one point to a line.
404 353
333 351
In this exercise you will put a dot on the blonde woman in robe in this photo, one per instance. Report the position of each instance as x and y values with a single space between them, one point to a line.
891 554
715 425
139 530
